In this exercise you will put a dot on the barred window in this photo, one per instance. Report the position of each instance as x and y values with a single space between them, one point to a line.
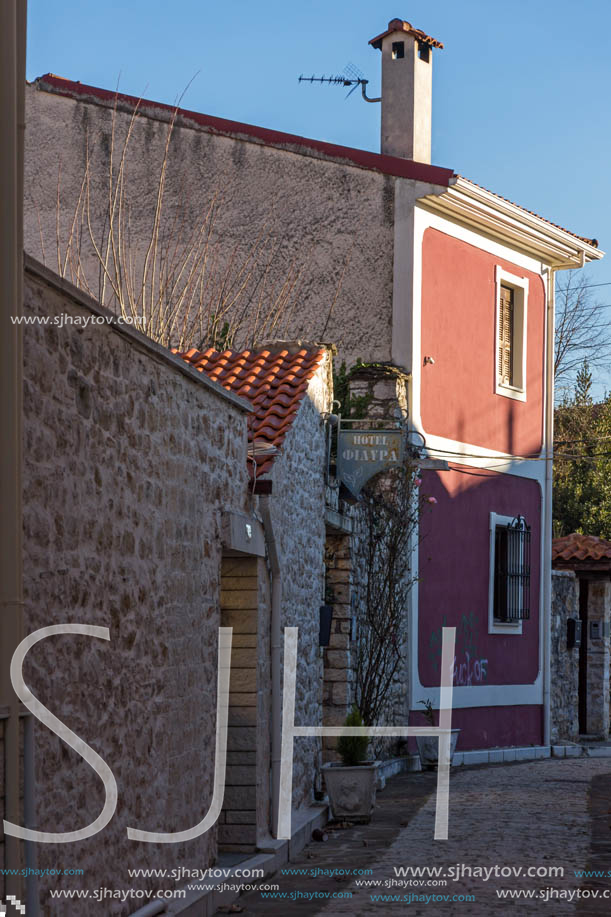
512 571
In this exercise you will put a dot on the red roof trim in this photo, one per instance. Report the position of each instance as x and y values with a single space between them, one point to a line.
389 165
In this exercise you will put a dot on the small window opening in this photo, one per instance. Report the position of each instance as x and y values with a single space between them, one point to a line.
424 51
398 50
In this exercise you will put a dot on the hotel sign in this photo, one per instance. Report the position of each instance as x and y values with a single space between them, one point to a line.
363 453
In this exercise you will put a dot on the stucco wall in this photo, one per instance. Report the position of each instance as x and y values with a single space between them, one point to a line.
128 462
458 330
332 219
454 558
298 503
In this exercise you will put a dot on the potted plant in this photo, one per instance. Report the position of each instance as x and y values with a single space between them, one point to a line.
428 746
351 785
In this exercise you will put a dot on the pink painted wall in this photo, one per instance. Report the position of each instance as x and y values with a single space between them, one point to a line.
487 727
454 573
458 329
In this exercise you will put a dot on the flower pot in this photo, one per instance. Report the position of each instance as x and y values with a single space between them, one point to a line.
428 749
352 791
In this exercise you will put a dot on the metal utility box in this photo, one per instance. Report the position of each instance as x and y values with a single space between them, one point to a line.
324 633
573 633
596 631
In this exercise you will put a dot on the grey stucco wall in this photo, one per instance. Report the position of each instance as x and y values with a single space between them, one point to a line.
298 505
127 465
331 219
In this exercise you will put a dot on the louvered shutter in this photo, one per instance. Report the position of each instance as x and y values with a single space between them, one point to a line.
506 319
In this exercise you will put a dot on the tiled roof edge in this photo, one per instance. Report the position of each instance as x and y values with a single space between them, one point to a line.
363 159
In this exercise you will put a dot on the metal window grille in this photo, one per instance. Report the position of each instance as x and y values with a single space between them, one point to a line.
512 571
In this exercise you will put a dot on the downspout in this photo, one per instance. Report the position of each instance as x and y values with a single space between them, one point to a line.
12 87
549 454
276 641
547 540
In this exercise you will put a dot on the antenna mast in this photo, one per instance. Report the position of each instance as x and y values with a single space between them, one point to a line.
352 76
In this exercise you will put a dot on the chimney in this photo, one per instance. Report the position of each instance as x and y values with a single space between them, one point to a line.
407 83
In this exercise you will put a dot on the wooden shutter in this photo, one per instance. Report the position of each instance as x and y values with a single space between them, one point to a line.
506 321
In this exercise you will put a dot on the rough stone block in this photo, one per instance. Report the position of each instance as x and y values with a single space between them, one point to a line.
245 817
242 716
243 658
242 698
242 738
240 797
243 622
237 834
240 775
243 680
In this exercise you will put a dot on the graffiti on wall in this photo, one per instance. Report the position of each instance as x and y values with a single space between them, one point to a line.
470 667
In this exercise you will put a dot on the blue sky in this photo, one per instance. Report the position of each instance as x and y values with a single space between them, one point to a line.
521 90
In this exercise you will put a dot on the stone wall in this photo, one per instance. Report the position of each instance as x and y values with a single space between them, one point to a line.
298 515
340 235
564 703
599 613
129 458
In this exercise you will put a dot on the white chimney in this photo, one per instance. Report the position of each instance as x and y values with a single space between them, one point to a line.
407 84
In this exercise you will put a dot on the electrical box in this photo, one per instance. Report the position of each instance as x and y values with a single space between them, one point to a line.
596 631
324 632
573 633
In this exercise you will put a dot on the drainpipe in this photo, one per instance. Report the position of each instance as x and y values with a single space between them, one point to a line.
547 540
549 452
276 635
12 86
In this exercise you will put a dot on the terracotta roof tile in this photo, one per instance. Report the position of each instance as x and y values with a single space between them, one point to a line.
275 383
399 25
578 551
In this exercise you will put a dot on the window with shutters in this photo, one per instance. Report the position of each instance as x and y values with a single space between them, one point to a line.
509 585
511 313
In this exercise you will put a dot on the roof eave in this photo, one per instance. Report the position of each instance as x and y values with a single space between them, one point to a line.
505 221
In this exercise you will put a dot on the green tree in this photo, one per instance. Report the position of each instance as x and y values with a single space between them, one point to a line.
582 462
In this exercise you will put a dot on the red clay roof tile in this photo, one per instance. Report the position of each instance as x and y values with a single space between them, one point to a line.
577 551
399 25
275 383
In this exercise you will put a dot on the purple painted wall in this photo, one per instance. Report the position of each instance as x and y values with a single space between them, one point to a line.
454 575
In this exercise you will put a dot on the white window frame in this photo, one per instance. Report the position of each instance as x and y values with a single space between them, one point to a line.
509 628
519 285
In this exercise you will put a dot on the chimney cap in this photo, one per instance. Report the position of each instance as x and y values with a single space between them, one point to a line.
399 25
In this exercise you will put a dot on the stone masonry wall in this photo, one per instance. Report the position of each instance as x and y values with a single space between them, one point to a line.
129 459
298 513
599 612
564 702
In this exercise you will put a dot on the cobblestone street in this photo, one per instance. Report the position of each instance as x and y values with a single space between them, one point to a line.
545 813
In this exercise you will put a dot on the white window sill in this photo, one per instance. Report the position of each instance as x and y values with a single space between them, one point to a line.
509 628
510 391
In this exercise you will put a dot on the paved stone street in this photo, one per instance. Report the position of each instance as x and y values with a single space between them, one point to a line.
545 813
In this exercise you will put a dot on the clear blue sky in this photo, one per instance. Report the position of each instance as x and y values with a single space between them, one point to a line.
521 90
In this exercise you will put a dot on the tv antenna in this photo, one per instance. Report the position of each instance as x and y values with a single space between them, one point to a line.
351 76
